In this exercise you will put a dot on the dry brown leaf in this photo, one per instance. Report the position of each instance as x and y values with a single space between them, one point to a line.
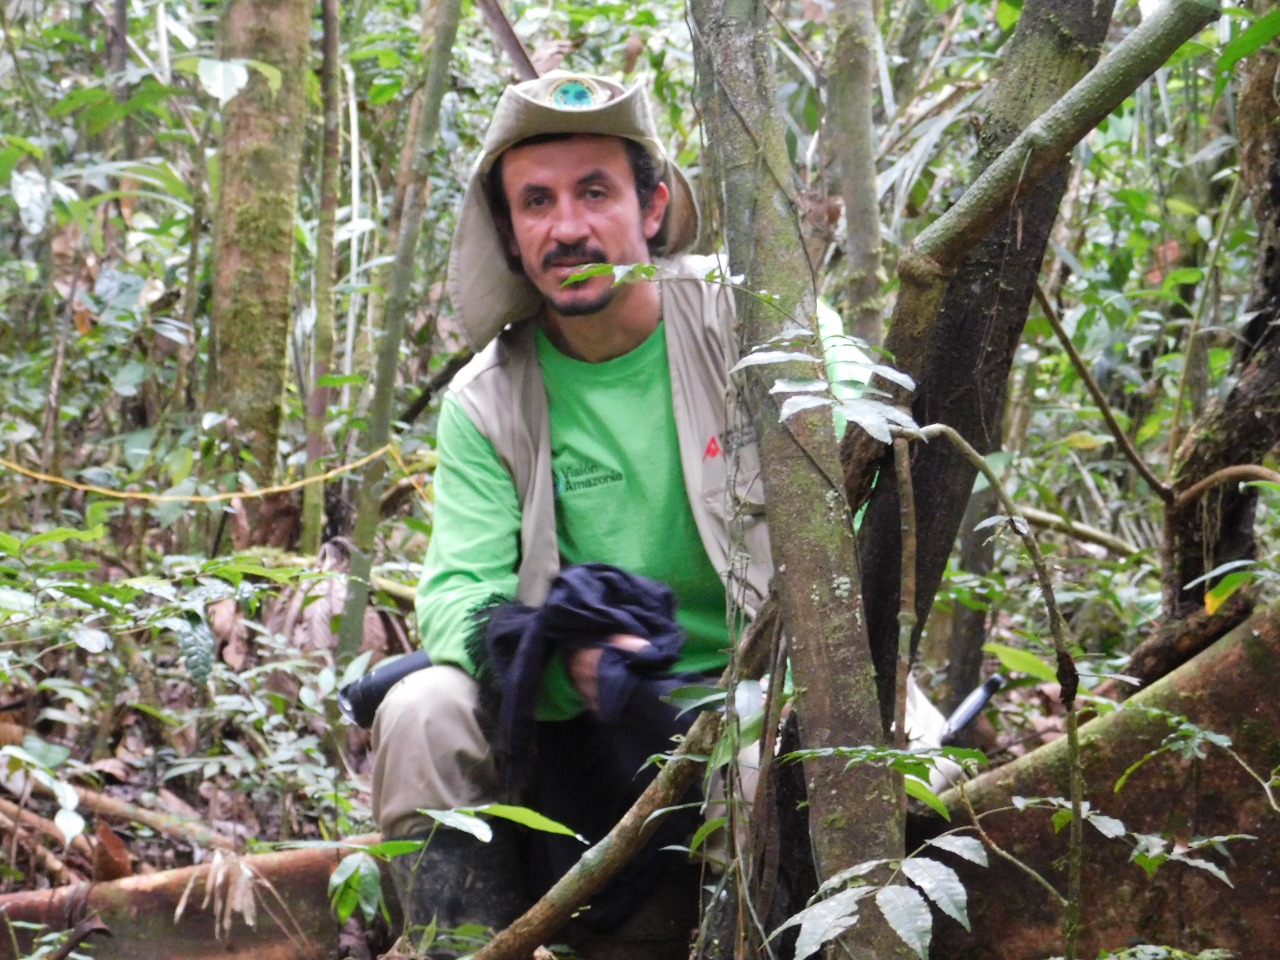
110 858
551 54
170 802
113 767
11 734
230 636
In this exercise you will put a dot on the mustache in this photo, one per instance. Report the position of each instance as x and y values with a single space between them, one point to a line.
564 255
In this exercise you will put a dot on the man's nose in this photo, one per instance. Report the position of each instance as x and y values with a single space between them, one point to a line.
569 225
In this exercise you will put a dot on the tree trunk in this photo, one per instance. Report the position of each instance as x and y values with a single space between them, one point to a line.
397 306
295 920
854 815
1243 426
850 139
252 305
322 347
970 347
1229 690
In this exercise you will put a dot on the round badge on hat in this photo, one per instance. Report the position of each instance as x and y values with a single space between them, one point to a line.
574 93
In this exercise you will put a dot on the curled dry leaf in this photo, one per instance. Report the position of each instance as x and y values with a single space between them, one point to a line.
110 857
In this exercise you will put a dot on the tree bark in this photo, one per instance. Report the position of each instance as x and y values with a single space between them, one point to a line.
959 346
1244 425
853 816
322 346
850 138
139 911
1228 690
252 305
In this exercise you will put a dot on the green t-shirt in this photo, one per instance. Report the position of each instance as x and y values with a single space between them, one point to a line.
620 499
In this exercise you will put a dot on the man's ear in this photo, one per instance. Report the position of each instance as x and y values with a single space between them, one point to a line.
656 210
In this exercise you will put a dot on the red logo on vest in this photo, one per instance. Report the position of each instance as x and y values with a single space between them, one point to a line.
713 449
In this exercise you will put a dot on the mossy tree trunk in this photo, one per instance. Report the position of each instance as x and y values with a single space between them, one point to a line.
853 815
253 254
1181 794
1244 425
968 350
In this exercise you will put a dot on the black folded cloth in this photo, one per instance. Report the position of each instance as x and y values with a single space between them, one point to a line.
590 769
585 606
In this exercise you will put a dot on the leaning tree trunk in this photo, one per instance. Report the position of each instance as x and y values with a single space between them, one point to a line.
970 347
252 306
853 816
1243 426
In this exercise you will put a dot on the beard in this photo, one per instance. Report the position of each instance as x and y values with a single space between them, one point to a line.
564 302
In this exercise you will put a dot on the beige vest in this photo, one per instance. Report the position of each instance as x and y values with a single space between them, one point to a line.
502 392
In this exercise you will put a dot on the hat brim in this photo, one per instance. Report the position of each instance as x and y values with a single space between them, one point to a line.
487 295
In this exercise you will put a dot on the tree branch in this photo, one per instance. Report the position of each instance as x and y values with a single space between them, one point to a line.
1080 531
508 39
1240 472
1162 489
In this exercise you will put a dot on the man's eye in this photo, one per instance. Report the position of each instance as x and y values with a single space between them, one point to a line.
532 203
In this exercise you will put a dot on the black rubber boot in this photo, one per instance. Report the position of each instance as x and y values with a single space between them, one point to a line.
458 881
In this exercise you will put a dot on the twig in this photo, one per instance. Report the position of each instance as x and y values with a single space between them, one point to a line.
1080 531
1240 472
508 39
438 382
17 814
45 858
1003 854
603 860
78 934
907 592
1068 681
1162 489
184 828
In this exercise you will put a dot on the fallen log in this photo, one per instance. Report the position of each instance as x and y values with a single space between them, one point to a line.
1204 790
286 891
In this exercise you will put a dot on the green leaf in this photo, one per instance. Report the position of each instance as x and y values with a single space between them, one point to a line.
356 883
917 788
760 357
62 534
1109 827
969 848
91 639
269 73
9 544
44 753
708 827
940 884
529 818
908 914
1021 661
221 79
825 920
1007 13
464 821
1261 32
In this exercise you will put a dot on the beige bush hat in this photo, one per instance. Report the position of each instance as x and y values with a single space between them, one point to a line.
486 294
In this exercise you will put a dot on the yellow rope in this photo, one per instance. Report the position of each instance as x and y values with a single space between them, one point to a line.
211 498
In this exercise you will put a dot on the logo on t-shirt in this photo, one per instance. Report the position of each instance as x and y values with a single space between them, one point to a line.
573 475
713 449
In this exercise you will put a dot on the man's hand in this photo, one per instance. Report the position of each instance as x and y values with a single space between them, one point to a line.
584 667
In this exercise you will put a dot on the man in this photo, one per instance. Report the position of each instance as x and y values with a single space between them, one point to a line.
595 425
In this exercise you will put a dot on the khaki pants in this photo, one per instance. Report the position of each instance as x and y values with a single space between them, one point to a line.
430 751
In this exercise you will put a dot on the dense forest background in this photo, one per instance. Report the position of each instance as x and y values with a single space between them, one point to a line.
223 330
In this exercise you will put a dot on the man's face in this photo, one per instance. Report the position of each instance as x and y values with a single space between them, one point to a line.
574 202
